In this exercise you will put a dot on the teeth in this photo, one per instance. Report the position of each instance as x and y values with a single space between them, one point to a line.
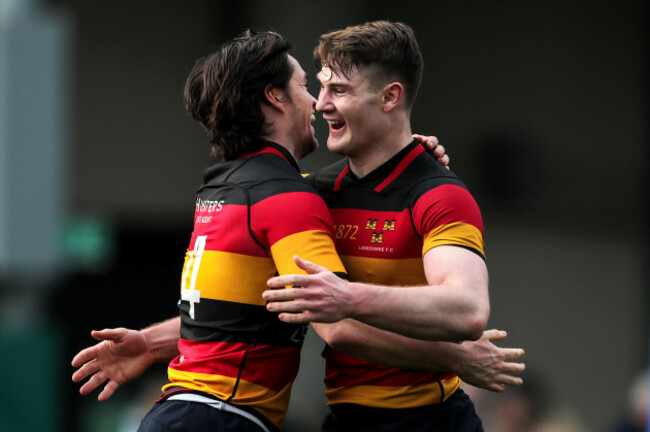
313 118
334 122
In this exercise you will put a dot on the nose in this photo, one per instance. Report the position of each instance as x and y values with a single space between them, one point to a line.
323 103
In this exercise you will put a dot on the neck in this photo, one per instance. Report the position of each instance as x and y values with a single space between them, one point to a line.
283 141
278 132
377 151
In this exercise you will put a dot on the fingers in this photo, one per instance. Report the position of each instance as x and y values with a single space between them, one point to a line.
83 356
296 279
514 368
108 391
509 381
109 334
90 353
501 382
444 160
283 295
430 142
497 335
307 266
512 353
296 318
494 335
85 371
287 306
509 377
496 387
287 280
95 381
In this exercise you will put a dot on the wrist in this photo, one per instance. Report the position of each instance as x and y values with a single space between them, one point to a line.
160 346
359 302
150 342
456 355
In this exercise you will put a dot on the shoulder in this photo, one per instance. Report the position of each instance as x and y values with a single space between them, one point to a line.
325 178
261 177
437 195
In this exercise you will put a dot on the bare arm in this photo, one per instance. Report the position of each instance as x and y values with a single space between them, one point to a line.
123 355
455 306
480 363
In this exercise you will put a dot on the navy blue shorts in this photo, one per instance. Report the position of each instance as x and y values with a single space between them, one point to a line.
456 414
184 416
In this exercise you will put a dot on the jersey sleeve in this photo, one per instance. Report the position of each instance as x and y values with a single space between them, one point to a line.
296 223
449 215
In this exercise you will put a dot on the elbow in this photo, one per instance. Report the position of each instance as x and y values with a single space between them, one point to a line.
476 322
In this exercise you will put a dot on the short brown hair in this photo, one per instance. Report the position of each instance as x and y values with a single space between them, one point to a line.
389 48
225 90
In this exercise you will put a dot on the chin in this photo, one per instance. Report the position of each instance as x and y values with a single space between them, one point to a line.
336 146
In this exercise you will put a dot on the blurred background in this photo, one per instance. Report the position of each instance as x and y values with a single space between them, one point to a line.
542 106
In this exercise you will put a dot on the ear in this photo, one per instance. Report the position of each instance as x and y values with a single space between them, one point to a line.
392 96
274 97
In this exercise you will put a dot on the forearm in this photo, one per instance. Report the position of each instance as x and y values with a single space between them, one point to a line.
162 339
386 348
442 312
453 306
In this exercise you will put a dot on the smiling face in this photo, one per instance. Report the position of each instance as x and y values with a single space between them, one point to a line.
301 110
352 108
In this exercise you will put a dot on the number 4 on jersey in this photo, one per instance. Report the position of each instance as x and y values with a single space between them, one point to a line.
191 270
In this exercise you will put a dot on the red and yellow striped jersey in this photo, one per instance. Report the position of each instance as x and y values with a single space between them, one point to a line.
252 215
383 225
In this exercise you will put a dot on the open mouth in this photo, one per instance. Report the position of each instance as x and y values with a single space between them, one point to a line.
336 125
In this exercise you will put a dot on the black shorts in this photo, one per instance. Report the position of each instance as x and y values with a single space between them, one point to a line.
456 414
177 416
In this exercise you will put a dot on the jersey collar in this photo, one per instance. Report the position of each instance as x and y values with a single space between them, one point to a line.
276 149
386 173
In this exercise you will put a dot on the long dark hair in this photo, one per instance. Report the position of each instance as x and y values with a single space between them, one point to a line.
225 90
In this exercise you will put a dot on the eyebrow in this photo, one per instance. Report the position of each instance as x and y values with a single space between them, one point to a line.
335 83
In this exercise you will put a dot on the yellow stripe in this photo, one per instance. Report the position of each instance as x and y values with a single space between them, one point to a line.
385 271
457 233
315 246
393 397
271 405
228 276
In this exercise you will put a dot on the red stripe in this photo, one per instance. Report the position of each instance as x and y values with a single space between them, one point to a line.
351 371
354 221
446 204
265 150
227 231
270 366
339 179
400 168
281 215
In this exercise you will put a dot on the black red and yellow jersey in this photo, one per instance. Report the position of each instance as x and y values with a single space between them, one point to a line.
252 215
383 225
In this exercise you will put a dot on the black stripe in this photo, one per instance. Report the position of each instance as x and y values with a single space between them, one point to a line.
239 372
471 249
223 321
342 275
442 389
